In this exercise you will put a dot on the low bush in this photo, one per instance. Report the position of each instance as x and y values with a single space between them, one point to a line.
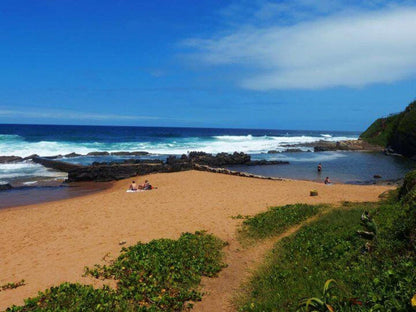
277 220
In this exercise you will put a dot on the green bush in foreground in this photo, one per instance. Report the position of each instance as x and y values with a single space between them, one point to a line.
161 275
383 279
277 220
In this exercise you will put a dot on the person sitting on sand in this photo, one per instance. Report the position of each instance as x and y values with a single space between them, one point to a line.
319 167
146 186
327 181
133 186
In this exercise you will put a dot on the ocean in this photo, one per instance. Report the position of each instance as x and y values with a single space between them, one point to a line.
52 140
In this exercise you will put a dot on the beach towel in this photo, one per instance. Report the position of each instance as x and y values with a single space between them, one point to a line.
134 191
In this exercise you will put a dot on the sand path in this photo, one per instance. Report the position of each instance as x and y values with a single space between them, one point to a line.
220 292
50 243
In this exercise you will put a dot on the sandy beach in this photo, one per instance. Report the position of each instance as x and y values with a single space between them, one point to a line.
50 243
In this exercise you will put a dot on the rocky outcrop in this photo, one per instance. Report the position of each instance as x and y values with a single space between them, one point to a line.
102 173
109 171
288 150
70 155
55 164
347 145
31 157
137 153
129 161
221 159
232 172
132 167
10 159
98 154
5 187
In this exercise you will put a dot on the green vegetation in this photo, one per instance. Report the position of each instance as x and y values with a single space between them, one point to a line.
381 131
373 273
277 220
161 275
323 304
397 131
12 285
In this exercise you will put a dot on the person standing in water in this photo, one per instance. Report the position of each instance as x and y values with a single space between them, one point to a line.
319 167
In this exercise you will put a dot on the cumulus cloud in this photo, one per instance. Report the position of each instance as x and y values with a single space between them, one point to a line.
352 50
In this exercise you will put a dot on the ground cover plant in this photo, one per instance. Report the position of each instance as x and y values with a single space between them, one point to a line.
12 285
371 275
277 220
161 275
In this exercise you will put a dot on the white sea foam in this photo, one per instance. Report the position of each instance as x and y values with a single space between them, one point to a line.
24 169
30 182
14 145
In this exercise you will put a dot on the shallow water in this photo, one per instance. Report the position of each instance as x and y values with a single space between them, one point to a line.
341 167
36 195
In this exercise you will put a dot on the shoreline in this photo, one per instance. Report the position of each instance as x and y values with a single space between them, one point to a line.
34 195
49 243
91 187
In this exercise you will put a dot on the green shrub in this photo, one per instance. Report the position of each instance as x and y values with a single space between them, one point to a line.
409 183
75 297
277 219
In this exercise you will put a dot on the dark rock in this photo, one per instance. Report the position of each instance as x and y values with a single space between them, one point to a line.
72 155
347 145
273 152
10 159
120 153
113 172
52 157
293 150
55 164
139 153
201 158
98 154
132 167
128 161
221 159
31 157
5 187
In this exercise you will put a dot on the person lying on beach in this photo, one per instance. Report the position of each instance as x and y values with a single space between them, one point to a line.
327 181
133 186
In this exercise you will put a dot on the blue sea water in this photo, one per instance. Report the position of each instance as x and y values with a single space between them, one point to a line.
51 140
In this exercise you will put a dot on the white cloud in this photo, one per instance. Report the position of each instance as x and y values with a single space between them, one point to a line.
366 47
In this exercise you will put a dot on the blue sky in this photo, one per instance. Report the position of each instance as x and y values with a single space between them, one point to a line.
299 64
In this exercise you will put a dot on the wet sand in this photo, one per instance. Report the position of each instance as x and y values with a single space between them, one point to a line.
52 242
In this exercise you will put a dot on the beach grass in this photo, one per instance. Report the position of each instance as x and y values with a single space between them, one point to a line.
162 275
276 220
372 275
